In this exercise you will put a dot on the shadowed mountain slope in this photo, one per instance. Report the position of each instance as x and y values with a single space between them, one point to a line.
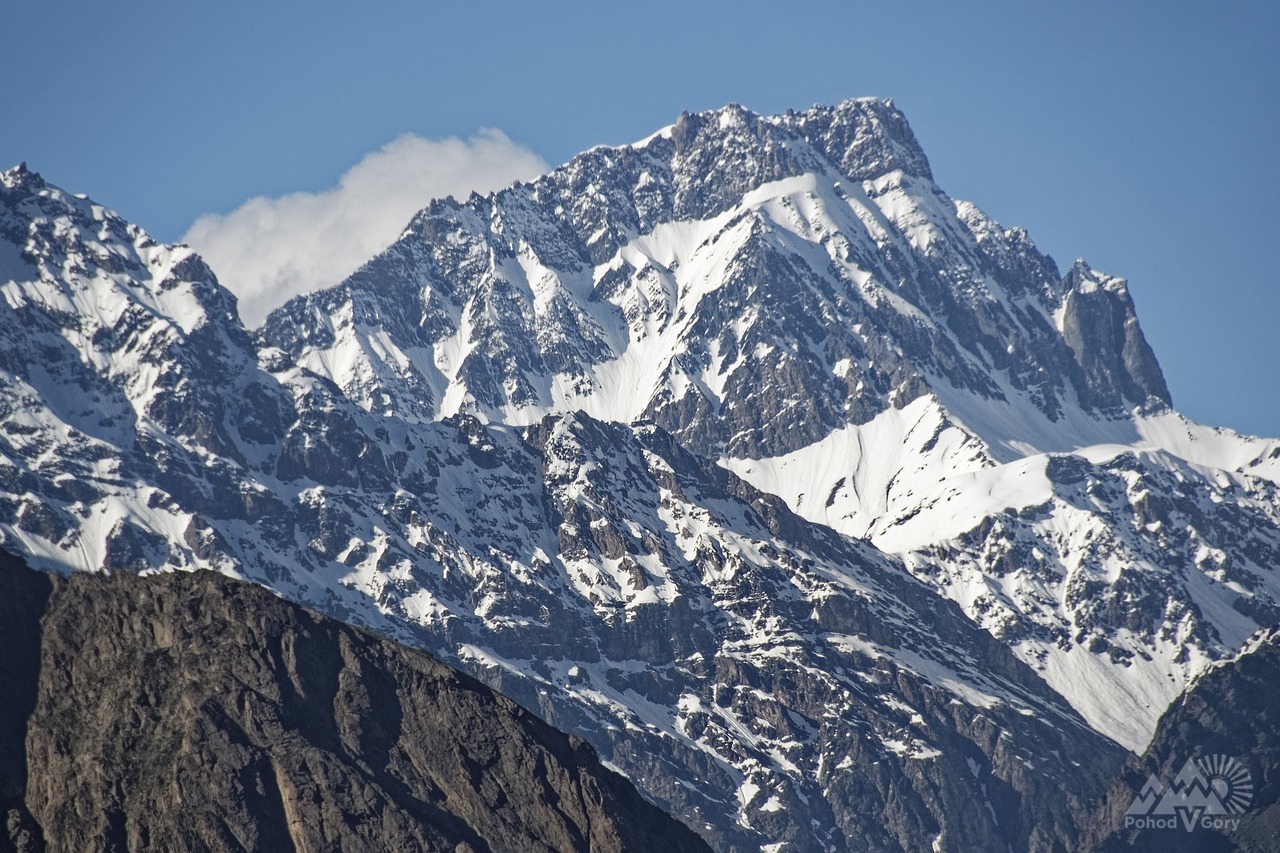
191 711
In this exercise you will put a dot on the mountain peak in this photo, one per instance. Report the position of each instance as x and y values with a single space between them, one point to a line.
1084 278
1115 365
867 137
863 137
21 177
542 291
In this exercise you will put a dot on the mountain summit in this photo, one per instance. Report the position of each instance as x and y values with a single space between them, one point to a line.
749 283
826 508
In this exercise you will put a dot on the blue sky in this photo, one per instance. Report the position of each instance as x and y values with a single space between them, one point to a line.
1141 136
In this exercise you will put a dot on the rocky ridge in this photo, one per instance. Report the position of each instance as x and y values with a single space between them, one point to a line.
192 711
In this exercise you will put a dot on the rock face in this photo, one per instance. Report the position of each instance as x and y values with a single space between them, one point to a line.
1231 714
194 712
823 506
1114 366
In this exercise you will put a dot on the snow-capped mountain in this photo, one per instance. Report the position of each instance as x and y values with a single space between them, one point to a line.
828 509
795 296
665 279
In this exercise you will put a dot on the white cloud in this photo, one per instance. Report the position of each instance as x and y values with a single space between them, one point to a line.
271 249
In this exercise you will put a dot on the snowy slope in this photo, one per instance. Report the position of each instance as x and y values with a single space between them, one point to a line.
1117 570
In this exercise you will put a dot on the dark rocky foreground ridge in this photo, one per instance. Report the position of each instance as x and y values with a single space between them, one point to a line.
1232 711
190 711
